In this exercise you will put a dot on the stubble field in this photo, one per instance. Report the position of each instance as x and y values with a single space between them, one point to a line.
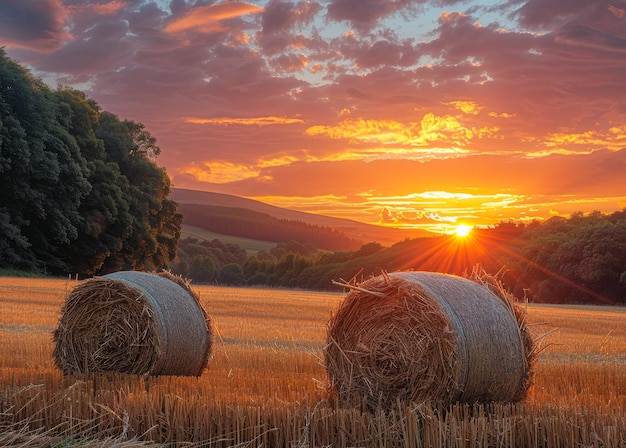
265 385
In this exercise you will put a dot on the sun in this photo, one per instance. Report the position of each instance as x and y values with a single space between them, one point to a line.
462 230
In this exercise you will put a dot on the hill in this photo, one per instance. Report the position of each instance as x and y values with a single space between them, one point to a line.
249 245
197 206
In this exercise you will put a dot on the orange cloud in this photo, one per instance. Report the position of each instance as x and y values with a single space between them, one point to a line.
614 140
109 8
103 9
312 202
467 107
502 115
381 131
254 121
281 160
206 18
433 130
220 172
437 129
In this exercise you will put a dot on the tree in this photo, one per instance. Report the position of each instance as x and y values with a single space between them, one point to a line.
202 269
43 175
231 274
580 259
105 209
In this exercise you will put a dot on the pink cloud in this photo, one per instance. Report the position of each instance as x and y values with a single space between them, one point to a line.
33 24
207 19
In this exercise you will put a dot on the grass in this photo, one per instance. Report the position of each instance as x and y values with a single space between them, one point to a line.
265 384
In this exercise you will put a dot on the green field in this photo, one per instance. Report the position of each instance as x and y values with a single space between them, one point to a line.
265 385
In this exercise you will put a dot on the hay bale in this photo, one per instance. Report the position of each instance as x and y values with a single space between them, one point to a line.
428 337
133 322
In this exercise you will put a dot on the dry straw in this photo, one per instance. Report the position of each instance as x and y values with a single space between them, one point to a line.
133 322
428 337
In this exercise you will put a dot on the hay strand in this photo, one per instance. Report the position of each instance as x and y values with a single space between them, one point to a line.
427 337
133 322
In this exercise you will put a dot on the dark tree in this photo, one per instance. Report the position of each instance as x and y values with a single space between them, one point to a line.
43 176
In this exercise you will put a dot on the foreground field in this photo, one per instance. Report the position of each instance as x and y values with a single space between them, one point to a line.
265 385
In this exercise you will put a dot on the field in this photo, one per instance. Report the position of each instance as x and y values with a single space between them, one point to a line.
265 385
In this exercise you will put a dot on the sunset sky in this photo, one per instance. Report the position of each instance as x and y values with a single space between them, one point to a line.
398 112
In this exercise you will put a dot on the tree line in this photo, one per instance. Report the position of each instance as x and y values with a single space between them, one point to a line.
580 259
80 191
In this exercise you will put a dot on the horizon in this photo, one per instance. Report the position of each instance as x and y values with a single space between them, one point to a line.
421 114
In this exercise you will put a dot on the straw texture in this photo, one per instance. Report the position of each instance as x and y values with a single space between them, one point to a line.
133 322
428 337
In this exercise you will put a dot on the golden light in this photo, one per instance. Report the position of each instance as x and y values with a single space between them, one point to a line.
462 230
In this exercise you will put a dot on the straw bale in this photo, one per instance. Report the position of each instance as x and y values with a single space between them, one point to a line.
133 322
428 337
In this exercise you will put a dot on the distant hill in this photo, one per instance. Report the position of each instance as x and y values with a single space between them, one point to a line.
213 212
249 245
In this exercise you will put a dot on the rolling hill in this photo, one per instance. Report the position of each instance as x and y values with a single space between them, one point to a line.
244 217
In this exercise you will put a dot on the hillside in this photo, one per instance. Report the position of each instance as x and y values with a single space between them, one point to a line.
249 245
246 223
192 202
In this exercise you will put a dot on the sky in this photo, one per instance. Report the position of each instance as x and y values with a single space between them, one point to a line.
408 113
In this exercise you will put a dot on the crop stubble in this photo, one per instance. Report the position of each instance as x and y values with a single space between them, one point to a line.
265 383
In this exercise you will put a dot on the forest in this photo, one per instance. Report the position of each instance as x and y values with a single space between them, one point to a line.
81 193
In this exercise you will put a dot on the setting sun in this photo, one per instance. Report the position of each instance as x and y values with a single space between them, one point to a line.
462 230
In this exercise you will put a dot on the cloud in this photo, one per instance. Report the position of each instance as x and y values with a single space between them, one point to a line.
220 172
280 16
588 37
207 19
364 15
551 15
290 62
33 24
468 107
432 128
278 23
255 121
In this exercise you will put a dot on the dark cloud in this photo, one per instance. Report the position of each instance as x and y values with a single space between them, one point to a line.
280 15
103 47
290 62
364 15
33 24
551 15
588 37
388 53
279 20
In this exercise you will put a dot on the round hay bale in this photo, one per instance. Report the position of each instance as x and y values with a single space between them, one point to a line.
427 337
133 322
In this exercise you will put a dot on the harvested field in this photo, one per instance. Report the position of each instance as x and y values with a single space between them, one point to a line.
266 385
